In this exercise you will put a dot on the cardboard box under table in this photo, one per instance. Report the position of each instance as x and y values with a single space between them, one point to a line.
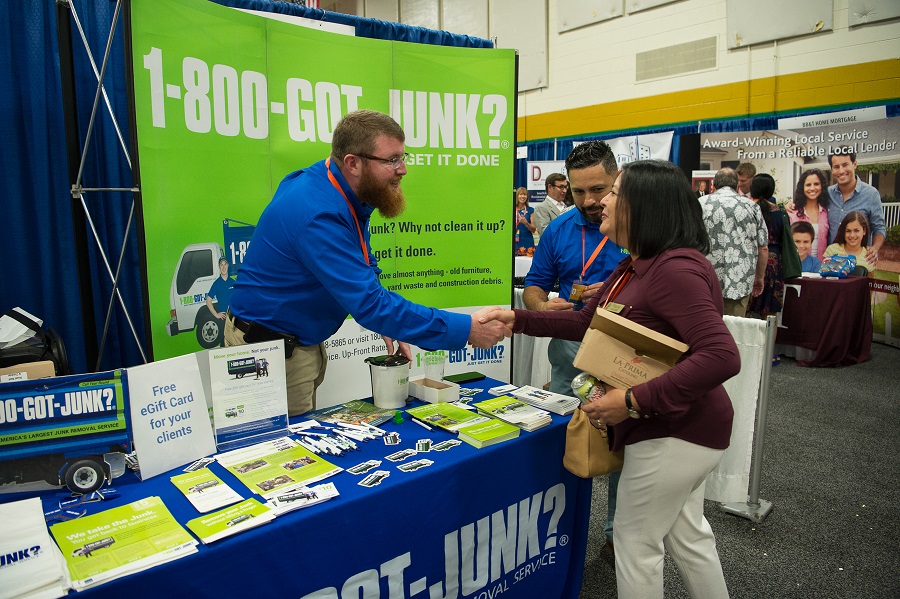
623 353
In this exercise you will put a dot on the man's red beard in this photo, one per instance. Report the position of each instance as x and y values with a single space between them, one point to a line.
389 200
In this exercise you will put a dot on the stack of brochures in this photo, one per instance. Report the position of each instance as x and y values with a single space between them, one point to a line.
357 411
30 563
547 400
121 541
231 520
514 411
488 433
446 416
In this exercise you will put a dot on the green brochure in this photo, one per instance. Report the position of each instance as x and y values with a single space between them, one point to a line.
488 433
510 409
205 490
230 521
274 466
445 416
121 541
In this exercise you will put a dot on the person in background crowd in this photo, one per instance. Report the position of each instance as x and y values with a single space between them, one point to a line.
738 241
554 205
569 200
804 238
674 428
524 215
783 261
810 205
851 239
574 252
745 173
851 194
701 188
309 262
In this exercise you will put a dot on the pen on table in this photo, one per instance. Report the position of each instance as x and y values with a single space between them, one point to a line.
422 424
315 450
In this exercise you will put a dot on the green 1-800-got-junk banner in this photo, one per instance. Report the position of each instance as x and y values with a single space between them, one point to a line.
227 103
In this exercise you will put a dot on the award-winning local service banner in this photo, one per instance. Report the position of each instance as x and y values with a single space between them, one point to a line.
787 153
228 103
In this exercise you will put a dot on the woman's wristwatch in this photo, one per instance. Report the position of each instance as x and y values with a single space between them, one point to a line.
632 413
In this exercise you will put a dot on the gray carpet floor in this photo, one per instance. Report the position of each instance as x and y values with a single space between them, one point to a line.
831 470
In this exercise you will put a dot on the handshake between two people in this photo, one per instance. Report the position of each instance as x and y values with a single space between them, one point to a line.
490 325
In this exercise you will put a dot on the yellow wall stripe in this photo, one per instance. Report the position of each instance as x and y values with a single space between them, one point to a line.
867 83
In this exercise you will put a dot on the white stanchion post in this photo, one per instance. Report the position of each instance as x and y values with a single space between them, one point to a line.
754 508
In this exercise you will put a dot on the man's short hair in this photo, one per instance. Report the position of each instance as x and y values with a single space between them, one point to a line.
357 131
762 187
801 226
746 169
842 152
553 179
725 177
592 153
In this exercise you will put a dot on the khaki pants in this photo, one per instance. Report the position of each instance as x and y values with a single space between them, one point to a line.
304 371
736 307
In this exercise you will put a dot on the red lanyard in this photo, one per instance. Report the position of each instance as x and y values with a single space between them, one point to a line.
586 266
618 285
362 240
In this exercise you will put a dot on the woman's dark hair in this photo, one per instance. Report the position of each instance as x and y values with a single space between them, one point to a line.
762 186
658 208
800 197
855 216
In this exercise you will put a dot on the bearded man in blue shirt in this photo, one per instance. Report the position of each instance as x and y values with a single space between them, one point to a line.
309 263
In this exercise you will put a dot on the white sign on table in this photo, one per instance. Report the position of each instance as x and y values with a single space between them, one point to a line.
248 391
169 414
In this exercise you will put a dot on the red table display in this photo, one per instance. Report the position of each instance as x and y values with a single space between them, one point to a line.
832 317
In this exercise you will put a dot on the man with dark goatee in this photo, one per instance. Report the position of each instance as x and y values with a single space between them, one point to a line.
310 263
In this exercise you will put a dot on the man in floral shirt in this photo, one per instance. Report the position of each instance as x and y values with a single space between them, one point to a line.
738 242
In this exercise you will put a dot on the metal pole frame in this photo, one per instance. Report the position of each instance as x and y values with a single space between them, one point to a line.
78 155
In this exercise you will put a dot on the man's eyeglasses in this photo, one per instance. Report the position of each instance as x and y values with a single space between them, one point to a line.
395 163
562 187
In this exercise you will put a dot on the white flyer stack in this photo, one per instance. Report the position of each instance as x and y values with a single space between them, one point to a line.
546 400
31 565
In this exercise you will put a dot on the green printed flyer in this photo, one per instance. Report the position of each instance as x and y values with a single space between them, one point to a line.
121 541
488 433
231 520
205 490
446 416
268 473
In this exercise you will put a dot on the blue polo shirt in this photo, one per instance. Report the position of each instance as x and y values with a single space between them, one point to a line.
864 198
304 271
221 291
559 255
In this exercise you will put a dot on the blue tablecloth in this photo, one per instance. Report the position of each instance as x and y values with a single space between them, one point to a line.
502 520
